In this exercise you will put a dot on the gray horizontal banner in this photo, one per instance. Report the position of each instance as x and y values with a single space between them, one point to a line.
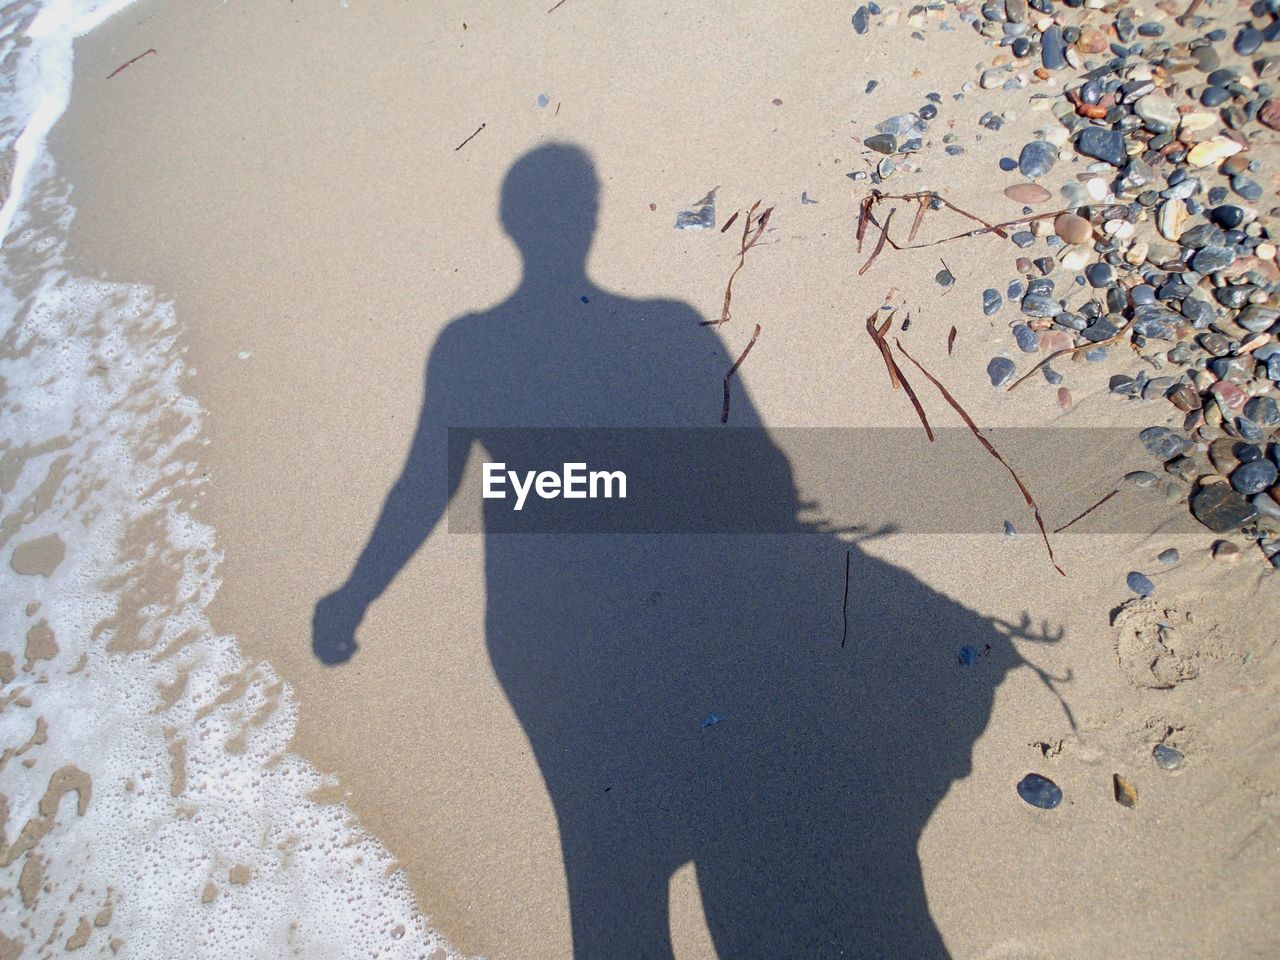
739 480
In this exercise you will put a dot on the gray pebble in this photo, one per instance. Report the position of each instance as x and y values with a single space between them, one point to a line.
1039 791
881 143
1037 158
1140 584
1250 478
1000 370
1105 145
1212 259
1163 443
1167 758
1028 339
1040 305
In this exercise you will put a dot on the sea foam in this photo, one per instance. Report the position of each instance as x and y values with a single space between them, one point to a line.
149 804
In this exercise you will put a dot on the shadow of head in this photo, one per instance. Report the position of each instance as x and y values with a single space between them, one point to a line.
550 199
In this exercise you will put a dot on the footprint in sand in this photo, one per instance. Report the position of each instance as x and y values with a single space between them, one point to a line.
1159 646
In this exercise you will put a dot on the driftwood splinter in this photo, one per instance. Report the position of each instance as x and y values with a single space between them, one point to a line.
1087 512
129 63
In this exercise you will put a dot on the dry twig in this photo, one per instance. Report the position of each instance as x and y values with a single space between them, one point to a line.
973 428
724 410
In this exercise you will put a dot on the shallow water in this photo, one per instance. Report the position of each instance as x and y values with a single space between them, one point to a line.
149 802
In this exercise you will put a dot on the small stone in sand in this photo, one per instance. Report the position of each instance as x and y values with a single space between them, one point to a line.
1167 758
1000 370
1039 791
1140 584
1125 793
1027 193
1226 551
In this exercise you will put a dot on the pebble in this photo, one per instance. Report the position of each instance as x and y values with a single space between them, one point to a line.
1141 478
1099 275
1105 145
861 19
881 143
1263 411
1040 305
1028 340
1073 228
1000 370
1027 193
1251 478
1168 556
1159 114
1214 97
991 301
1211 259
1053 49
1163 443
1247 41
1037 158
1039 791
1251 190
1140 584
1212 152
1269 114
1167 758
1221 509
1226 551
1171 218
1125 793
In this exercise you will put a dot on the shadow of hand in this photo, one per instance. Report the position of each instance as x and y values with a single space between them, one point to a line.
333 628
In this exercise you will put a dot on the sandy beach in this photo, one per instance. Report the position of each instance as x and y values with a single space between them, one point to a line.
593 745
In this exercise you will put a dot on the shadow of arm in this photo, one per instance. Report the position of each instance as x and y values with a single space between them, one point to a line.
412 509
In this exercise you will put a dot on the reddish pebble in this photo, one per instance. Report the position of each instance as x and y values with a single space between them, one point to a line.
1270 114
1092 40
1027 193
1231 396
1064 398
1073 229
1054 340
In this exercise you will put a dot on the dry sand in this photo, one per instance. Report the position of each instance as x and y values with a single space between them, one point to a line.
287 173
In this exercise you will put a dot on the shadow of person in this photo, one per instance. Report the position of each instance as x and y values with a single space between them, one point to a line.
686 695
